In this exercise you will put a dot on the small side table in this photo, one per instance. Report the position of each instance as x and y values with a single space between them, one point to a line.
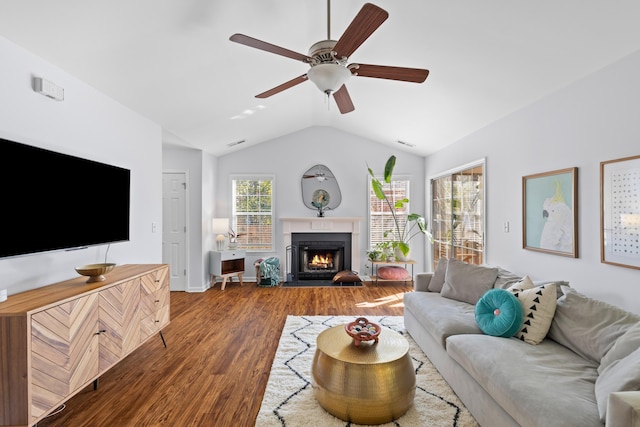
375 265
226 264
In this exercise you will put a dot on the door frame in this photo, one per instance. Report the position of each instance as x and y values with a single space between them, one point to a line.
186 221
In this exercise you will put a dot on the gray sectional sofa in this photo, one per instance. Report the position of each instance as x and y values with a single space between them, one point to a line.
577 372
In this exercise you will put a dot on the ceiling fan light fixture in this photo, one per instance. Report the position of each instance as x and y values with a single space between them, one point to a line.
329 77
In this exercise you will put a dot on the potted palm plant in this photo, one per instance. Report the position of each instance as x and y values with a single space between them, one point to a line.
402 231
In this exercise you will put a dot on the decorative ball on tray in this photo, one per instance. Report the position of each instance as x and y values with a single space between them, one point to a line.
95 272
362 330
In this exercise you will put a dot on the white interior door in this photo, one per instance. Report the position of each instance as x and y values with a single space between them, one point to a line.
174 227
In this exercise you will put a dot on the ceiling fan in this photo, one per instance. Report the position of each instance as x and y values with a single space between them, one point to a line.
328 58
321 173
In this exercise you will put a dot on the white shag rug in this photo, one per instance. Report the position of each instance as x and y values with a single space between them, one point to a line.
289 401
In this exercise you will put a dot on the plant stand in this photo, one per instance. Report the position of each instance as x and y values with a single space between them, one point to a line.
375 264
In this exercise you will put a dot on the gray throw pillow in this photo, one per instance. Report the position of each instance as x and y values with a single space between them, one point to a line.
621 375
623 347
506 279
435 285
467 282
587 326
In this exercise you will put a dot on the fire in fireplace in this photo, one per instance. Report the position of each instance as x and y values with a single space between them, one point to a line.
319 256
321 261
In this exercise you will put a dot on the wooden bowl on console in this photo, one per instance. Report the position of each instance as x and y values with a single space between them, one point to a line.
95 272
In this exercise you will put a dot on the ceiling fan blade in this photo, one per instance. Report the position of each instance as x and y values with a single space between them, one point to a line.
283 86
343 100
363 25
415 75
259 44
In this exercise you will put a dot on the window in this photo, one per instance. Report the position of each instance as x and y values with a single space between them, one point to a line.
252 214
380 217
457 215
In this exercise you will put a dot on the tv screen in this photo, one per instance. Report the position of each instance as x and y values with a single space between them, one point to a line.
54 201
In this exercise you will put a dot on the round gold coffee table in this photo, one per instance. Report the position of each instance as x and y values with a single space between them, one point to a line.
365 384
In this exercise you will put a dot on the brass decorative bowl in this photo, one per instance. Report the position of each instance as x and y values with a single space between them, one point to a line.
362 330
95 272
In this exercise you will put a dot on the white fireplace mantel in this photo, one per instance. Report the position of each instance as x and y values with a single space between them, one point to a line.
325 225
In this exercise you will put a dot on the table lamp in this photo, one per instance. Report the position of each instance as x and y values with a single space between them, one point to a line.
220 227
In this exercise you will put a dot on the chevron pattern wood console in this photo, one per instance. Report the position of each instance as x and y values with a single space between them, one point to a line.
57 339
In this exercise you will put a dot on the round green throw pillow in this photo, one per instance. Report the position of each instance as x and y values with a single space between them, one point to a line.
499 313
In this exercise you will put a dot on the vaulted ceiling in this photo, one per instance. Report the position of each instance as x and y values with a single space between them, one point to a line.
172 61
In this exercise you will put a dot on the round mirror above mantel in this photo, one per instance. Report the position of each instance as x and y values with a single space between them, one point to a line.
320 190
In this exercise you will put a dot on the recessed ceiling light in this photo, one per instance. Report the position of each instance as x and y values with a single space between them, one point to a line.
231 144
248 112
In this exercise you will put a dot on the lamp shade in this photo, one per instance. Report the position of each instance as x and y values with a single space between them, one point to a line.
220 226
329 77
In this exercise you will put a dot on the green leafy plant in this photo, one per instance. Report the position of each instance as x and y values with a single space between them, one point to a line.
374 255
415 223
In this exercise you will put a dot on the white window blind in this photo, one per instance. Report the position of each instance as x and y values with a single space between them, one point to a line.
253 212
380 217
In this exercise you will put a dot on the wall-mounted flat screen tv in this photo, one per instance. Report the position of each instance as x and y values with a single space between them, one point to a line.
54 201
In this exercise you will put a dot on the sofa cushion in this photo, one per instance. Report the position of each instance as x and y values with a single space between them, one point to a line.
588 326
421 284
441 317
621 375
544 385
437 281
623 347
393 272
467 282
539 306
499 313
506 278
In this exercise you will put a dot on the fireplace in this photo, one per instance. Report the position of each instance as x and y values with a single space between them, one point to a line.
319 256
310 228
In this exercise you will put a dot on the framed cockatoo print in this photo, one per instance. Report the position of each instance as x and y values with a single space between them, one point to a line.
620 212
550 212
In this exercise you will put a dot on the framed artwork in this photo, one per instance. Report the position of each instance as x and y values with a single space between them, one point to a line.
620 212
550 212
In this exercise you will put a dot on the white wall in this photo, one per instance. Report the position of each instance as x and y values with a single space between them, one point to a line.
593 120
346 155
201 171
86 124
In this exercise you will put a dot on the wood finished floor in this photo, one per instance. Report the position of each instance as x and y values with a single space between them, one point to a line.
221 345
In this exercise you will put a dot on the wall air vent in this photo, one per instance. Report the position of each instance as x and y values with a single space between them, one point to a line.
406 143
48 89
231 144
